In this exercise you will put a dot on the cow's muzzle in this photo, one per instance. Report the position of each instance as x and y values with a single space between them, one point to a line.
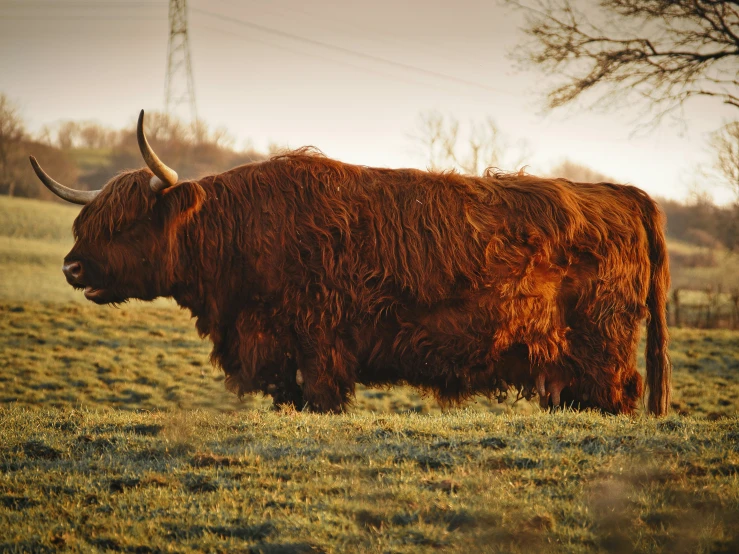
74 272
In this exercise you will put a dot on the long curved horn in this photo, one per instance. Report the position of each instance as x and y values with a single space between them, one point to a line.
66 193
165 177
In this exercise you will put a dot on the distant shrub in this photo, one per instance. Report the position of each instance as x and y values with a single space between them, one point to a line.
701 237
705 258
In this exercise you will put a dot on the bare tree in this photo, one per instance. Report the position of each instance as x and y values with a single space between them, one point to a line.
579 173
94 136
666 51
12 133
219 137
72 135
222 138
483 146
67 135
725 142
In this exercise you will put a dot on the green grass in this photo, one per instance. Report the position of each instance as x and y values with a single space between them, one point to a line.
91 158
37 219
295 482
116 434
34 238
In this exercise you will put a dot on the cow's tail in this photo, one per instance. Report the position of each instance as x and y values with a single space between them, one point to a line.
659 368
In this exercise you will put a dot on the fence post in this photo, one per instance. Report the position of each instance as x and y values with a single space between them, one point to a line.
676 304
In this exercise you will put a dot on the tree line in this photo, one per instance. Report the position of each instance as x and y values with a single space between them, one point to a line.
85 154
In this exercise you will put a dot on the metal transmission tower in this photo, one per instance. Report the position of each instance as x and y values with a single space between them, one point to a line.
179 87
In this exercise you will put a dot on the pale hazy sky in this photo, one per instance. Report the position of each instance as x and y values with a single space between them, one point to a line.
104 60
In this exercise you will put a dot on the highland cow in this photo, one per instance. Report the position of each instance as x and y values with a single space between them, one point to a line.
311 275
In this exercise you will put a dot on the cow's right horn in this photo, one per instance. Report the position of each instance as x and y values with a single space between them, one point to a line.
65 193
164 177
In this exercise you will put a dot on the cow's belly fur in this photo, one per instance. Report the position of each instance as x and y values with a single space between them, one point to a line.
475 344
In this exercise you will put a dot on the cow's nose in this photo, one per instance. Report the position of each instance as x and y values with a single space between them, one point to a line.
72 271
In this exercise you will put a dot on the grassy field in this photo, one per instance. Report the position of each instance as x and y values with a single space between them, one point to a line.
290 482
34 238
116 434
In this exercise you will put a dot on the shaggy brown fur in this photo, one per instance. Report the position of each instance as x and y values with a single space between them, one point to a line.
456 284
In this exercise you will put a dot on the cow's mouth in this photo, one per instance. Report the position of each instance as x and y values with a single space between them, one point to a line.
96 295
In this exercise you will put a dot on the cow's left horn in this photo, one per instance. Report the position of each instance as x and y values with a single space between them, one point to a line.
65 193
165 177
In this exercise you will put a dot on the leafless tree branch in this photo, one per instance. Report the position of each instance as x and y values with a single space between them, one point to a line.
12 134
483 146
726 145
666 51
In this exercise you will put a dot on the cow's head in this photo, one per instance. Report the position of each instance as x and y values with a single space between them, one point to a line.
126 234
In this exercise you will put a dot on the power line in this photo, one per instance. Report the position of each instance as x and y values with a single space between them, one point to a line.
294 12
76 4
324 58
29 9
348 51
181 38
78 18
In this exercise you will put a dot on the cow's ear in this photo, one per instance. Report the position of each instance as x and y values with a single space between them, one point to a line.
181 202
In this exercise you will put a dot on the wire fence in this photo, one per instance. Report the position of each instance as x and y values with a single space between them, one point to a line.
709 308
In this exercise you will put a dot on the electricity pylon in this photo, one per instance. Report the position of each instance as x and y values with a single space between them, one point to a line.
179 87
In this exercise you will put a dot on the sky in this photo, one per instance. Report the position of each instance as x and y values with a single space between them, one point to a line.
349 78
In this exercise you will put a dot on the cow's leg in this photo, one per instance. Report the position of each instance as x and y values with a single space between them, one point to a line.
256 357
286 387
328 374
614 391
287 393
603 360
